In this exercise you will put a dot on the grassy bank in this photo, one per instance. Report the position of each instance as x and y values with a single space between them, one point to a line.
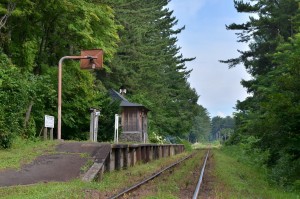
238 179
24 151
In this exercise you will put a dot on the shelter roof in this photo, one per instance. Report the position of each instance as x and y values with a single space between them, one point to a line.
124 102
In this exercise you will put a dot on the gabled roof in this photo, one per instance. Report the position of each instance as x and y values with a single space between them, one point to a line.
124 102
116 96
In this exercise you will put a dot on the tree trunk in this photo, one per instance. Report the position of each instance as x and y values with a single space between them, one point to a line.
28 112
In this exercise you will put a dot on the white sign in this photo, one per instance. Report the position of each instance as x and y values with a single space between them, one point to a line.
49 121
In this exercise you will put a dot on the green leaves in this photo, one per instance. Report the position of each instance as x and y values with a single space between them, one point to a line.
40 32
35 37
13 99
201 128
149 64
271 113
139 39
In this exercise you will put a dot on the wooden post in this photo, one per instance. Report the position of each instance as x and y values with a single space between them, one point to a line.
118 158
45 133
51 133
126 157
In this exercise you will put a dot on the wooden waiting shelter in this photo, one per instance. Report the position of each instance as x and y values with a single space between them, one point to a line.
133 119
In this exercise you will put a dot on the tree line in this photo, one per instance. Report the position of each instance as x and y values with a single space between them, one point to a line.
269 119
139 39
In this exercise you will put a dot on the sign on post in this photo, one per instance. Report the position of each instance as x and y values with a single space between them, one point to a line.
49 121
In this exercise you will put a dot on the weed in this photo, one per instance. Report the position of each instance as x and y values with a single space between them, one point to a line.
238 179
86 166
24 151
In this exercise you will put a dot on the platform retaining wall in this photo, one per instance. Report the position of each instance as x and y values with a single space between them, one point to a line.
124 155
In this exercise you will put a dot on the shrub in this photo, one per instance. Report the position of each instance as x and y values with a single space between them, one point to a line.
13 99
286 171
187 145
155 138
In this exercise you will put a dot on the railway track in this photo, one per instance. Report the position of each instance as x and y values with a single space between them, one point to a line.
138 185
196 192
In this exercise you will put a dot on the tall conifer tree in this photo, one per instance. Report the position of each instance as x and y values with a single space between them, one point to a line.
266 114
148 62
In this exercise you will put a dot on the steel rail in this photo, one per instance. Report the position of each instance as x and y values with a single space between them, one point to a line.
196 193
148 179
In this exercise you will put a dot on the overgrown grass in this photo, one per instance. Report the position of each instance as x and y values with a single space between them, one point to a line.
24 151
205 145
170 188
115 180
233 175
236 178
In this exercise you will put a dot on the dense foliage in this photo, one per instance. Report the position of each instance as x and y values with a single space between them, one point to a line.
271 114
222 128
34 35
139 41
201 128
148 63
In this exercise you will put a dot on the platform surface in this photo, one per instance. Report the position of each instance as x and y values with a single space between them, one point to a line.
64 164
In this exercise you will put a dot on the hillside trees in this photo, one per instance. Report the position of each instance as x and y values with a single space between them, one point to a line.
271 113
149 64
201 128
13 101
222 128
38 33
17 91
139 41
35 35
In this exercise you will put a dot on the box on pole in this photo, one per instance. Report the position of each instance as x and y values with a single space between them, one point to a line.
96 60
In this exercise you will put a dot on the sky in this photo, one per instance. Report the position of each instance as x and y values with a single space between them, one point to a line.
206 38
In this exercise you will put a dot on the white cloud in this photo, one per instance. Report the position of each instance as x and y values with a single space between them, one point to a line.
221 114
187 8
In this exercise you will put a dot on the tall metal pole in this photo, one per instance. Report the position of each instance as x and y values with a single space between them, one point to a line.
59 102
59 98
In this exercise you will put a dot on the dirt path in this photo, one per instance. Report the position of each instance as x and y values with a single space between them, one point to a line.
65 164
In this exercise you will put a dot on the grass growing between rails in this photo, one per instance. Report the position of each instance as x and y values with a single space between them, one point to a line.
24 151
179 183
111 183
206 145
236 178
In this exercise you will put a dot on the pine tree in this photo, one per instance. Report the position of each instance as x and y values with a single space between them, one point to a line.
148 63
270 113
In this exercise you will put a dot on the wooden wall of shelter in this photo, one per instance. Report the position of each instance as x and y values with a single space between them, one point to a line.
133 120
